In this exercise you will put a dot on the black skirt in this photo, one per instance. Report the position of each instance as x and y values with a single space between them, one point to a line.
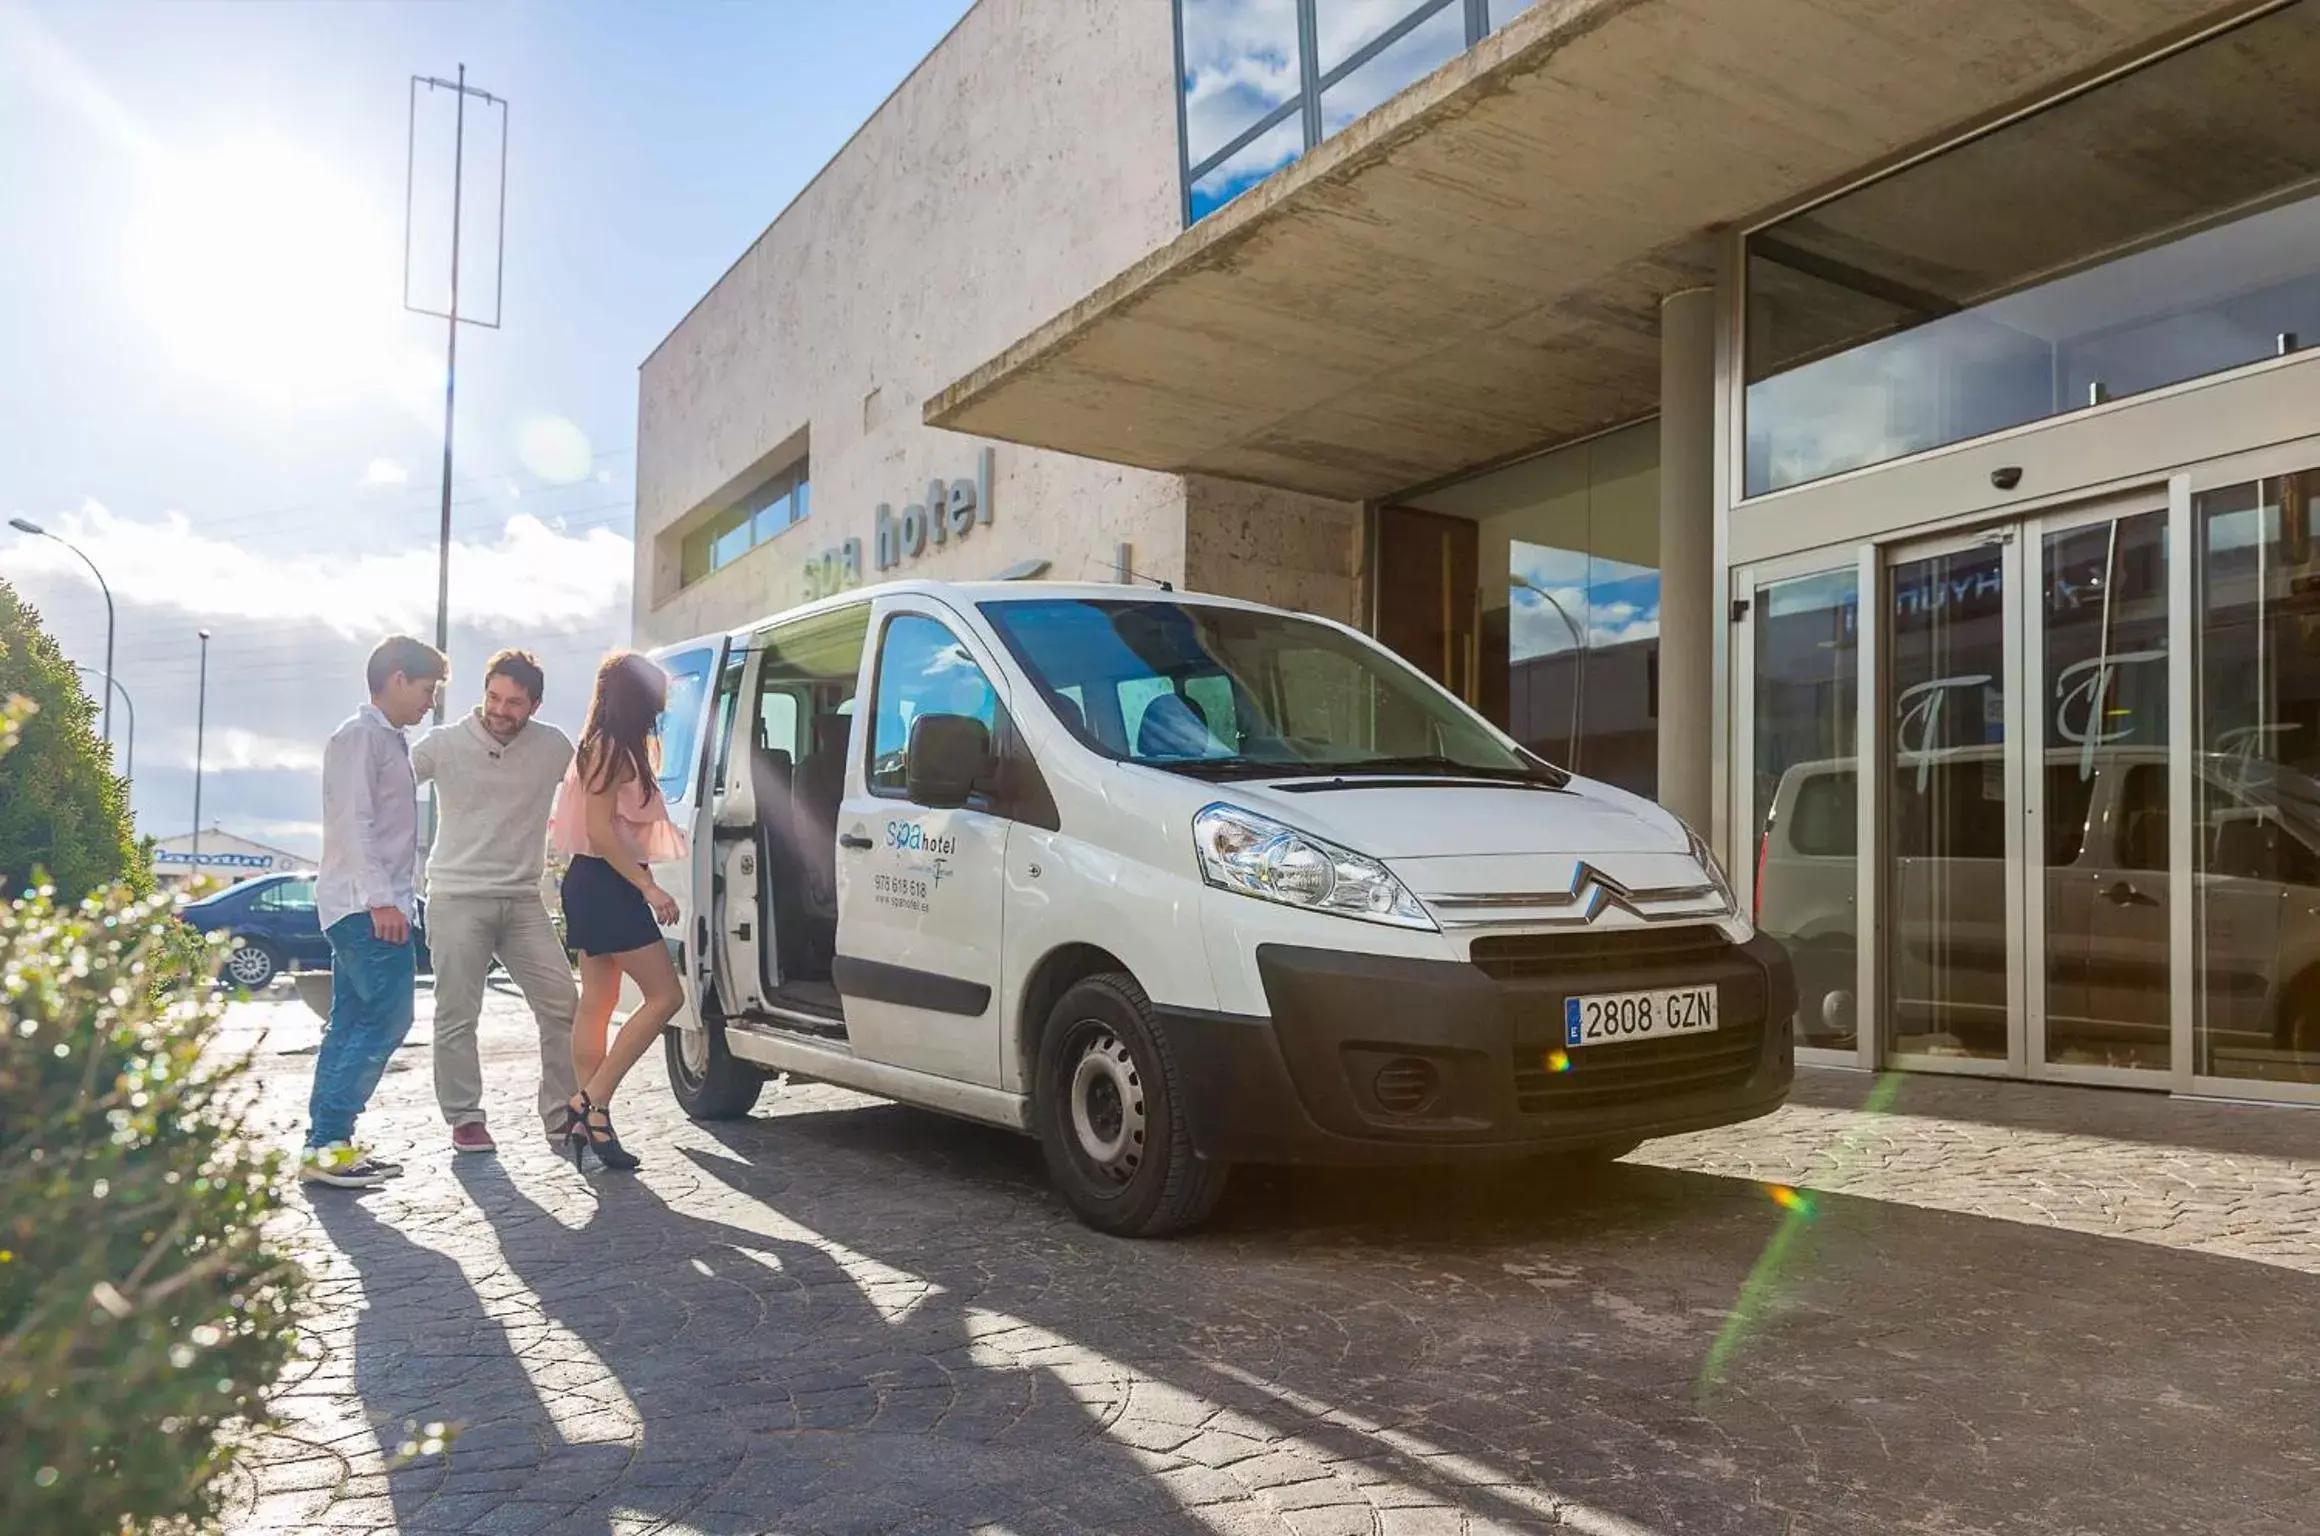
603 913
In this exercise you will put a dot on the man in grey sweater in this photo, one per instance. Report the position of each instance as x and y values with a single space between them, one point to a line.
495 773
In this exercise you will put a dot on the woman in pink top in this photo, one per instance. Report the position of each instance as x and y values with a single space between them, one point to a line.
611 821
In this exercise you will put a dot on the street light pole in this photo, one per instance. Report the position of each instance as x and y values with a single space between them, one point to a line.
1579 652
111 684
200 728
453 319
27 525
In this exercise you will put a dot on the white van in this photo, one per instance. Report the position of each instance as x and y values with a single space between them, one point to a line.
1174 882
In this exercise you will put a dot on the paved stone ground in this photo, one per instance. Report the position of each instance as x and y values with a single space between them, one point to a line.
1996 1308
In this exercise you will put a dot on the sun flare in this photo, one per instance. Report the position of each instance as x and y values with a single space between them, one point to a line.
260 268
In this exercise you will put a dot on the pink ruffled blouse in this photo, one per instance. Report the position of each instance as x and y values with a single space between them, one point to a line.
642 813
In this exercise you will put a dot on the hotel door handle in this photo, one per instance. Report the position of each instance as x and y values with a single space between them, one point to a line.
2125 895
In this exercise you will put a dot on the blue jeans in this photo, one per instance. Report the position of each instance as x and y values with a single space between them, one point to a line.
372 996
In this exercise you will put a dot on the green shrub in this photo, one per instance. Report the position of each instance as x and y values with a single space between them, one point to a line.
144 1308
63 811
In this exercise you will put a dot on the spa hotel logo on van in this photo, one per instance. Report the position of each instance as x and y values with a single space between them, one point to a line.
1172 883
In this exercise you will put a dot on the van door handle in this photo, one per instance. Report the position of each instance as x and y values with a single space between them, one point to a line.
2125 895
855 840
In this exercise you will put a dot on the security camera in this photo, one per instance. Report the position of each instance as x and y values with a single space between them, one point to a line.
2007 478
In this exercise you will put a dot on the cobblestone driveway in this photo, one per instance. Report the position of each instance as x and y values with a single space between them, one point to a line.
1996 1308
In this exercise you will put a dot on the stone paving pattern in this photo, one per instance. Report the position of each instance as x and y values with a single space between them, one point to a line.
1996 1308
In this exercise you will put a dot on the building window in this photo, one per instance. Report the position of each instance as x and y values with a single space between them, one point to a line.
1551 586
2109 244
1262 81
778 504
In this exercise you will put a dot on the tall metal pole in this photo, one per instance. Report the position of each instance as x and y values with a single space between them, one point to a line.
200 728
450 382
129 773
26 525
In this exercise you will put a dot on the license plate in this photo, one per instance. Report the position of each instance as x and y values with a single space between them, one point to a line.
1610 1016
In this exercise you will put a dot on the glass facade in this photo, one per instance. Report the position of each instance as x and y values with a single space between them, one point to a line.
1806 698
774 507
1564 589
1263 81
2256 793
2152 230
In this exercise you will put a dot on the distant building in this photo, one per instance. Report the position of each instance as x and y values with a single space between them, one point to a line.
224 856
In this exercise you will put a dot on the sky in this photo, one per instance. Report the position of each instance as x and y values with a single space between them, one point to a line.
215 392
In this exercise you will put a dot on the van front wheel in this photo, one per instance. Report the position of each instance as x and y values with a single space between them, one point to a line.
709 1083
1109 1105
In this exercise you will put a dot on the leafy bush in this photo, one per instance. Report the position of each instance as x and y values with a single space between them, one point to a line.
63 811
143 1306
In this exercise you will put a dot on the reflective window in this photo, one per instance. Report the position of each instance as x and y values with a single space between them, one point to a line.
2111 244
923 669
679 729
2103 602
1806 789
2256 838
1567 623
1947 949
766 512
1263 81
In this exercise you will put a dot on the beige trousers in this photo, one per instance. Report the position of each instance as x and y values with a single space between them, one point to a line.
464 935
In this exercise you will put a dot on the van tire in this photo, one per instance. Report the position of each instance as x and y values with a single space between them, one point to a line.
708 1081
1107 1077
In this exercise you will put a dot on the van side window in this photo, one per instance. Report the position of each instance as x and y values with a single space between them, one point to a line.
721 733
1824 825
680 723
2069 800
922 670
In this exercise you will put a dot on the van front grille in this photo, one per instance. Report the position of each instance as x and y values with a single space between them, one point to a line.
1630 1071
1518 957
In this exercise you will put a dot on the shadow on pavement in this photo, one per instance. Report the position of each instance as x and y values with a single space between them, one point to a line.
878 1319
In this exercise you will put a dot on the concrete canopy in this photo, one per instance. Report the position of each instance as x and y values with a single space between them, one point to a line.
1474 270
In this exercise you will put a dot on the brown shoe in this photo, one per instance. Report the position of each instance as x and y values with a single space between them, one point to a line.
472 1137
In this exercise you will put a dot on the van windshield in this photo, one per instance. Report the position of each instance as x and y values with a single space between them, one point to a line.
1230 692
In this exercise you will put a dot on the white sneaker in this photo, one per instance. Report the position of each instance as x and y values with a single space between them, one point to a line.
385 1167
339 1165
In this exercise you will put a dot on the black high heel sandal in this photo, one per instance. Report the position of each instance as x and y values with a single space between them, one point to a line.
590 1130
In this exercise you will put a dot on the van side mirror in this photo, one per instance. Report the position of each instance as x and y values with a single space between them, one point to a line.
948 759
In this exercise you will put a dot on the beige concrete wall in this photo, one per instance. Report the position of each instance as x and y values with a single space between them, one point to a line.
1027 159
1277 547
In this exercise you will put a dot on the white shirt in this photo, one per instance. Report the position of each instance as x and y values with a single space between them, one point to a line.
370 821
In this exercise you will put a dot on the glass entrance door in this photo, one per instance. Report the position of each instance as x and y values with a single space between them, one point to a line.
1953 808
2027 847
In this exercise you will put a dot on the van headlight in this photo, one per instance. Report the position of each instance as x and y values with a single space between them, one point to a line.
1257 856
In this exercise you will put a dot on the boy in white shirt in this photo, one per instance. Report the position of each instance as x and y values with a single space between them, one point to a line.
365 899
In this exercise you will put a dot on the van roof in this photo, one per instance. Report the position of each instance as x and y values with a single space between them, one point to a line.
967 594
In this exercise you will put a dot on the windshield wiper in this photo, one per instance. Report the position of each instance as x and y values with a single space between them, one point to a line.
1435 763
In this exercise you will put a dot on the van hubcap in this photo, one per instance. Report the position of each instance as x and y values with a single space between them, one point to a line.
1107 1106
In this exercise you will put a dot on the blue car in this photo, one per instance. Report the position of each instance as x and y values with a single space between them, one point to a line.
275 929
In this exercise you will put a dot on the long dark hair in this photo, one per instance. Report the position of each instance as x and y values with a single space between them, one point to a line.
619 743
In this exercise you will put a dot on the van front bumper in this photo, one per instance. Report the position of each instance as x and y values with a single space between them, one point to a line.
1376 1058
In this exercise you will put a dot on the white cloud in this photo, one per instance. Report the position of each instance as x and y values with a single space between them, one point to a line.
531 577
231 749
386 472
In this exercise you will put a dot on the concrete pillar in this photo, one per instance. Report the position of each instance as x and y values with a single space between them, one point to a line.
1687 553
